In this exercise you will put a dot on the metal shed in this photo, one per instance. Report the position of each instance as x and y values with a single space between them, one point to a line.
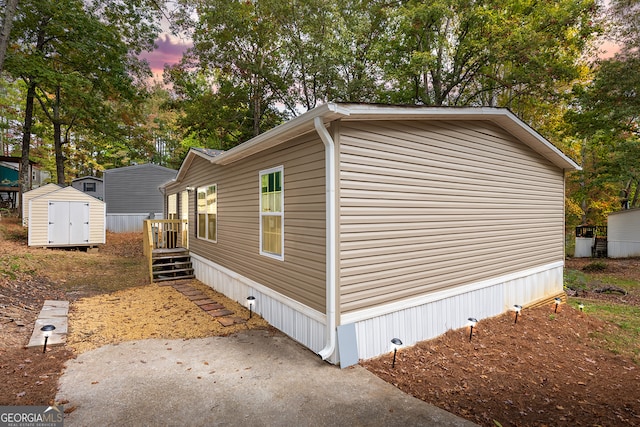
66 217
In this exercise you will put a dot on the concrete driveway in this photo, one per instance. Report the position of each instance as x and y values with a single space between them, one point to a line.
257 378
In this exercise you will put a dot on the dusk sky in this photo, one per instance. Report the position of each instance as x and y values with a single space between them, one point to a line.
170 49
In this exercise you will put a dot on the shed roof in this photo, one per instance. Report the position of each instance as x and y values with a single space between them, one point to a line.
141 166
93 178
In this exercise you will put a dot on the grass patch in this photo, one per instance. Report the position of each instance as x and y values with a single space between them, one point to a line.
625 339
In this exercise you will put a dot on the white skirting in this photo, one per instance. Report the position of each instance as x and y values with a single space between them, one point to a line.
434 314
583 247
622 249
413 320
303 324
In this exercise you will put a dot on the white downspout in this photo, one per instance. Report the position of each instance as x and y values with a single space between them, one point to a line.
330 242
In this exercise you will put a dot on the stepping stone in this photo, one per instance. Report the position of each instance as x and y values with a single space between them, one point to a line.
52 313
206 301
191 292
210 307
220 313
182 287
230 321
198 297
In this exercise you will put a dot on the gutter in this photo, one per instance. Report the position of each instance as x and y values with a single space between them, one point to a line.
330 165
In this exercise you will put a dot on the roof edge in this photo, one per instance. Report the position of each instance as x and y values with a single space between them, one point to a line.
302 124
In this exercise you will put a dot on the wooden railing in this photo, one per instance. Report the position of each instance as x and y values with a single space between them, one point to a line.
163 234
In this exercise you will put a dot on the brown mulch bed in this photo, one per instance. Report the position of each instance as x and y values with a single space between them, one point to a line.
546 369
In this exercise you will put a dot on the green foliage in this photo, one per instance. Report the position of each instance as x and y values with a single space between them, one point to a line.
625 338
595 267
574 279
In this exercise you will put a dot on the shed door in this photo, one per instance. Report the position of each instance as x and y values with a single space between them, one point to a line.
68 223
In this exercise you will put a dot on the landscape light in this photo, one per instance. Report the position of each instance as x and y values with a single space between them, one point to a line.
517 308
472 322
395 345
581 306
47 330
251 302
557 301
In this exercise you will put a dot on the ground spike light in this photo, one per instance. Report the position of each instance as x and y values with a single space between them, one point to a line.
472 323
47 330
557 301
517 308
581 306
251 301
395 344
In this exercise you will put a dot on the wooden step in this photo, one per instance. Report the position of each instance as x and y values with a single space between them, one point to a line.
166 278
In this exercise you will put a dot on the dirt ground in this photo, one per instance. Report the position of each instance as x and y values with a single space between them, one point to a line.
546 369
111 302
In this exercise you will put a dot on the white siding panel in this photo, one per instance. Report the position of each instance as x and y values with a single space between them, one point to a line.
300 322
128 223
584 245
429 206
623 234
429 319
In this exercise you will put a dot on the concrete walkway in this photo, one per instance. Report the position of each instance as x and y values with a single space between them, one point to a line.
257 378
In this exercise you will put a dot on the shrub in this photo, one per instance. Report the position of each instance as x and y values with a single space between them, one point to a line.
595 267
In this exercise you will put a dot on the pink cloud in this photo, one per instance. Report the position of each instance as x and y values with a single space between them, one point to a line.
168 51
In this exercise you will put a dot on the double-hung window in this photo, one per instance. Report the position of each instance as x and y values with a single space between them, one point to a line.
272 213
207 212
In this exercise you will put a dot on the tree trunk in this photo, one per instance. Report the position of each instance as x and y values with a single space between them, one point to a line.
25 167
57 138
7 23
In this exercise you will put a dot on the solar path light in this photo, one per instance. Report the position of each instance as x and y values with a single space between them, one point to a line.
517 308
47 330
251 302
395 345
471 323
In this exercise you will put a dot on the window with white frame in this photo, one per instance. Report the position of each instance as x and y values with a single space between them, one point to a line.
272 212
207 212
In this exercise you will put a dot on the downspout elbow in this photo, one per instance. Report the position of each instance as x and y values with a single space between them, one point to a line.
330 334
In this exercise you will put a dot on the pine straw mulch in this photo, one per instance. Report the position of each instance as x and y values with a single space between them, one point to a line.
548 369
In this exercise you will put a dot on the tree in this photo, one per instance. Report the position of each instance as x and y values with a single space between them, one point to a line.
496 52
78 65
9 12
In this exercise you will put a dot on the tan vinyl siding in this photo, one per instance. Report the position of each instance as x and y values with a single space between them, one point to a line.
301 275
431 205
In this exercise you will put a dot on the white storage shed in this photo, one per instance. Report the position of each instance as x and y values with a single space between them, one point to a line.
36 192
66 217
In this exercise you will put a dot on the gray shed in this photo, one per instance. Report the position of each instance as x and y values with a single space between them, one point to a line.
132 194
65 217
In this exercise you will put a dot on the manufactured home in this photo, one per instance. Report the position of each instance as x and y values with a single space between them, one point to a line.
132 194
623 233
65 217
90 185
353 224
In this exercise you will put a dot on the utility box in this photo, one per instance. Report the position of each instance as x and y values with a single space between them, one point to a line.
66 217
